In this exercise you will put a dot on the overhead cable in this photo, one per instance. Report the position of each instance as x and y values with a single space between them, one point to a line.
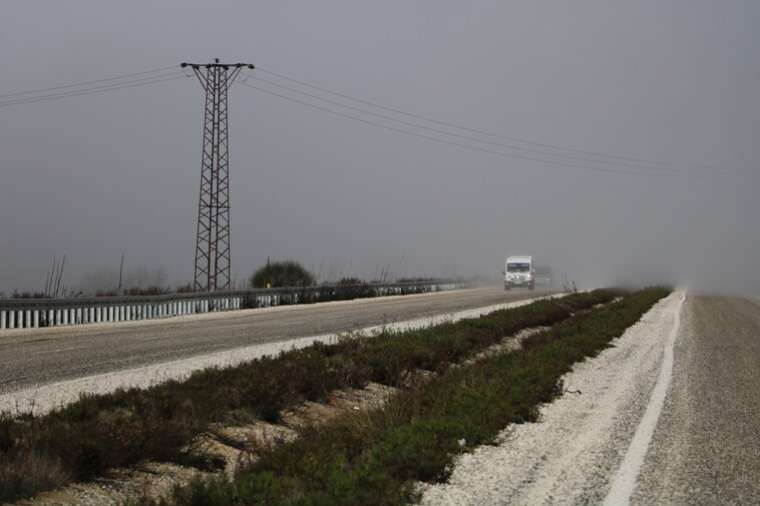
598 154
445 141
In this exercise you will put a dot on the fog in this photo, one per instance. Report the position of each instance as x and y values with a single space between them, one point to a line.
96 175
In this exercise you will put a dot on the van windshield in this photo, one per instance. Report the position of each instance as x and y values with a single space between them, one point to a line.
521 267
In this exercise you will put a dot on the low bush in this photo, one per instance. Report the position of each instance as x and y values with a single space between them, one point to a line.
283 273
95 433
377 458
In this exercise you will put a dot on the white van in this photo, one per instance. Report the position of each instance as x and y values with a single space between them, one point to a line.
518 271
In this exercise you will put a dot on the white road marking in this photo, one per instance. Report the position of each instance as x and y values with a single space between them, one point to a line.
626 478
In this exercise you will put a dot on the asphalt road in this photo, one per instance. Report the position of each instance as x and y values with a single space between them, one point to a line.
706 447
34 357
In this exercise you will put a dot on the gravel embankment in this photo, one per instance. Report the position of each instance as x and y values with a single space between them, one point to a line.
572 455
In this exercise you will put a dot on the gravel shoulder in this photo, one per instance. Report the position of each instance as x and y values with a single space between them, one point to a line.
572 454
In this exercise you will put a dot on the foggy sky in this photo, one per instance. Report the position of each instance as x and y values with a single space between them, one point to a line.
97 175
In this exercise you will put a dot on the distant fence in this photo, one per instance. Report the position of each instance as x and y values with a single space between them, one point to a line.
35 313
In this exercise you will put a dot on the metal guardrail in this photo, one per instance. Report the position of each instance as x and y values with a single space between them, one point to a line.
35 313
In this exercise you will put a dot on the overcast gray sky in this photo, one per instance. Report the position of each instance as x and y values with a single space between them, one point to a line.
95 175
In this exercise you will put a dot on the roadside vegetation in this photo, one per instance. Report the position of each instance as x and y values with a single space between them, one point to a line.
282 273
378 458
82 440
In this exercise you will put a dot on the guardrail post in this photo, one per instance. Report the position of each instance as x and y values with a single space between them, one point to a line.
2 320
12 319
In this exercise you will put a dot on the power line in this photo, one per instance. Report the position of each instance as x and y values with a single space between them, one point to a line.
460 136
96 89
445 141
83 83
641 161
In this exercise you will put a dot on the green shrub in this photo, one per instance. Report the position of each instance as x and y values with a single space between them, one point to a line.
96 433
376 458
279 274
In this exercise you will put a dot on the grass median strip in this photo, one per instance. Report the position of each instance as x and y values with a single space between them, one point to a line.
376 458
84 439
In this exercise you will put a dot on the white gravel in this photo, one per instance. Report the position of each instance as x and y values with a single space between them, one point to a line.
573 453
44 398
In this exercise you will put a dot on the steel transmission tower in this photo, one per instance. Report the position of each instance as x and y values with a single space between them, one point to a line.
212 245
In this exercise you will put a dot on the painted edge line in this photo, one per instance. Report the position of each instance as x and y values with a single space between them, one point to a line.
624 483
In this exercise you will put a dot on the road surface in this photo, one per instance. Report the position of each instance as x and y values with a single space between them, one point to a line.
706 448
669 415
34 357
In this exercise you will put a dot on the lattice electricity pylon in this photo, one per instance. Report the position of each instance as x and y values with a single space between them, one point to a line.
212 245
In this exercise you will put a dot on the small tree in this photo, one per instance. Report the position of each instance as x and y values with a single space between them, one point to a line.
278 274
